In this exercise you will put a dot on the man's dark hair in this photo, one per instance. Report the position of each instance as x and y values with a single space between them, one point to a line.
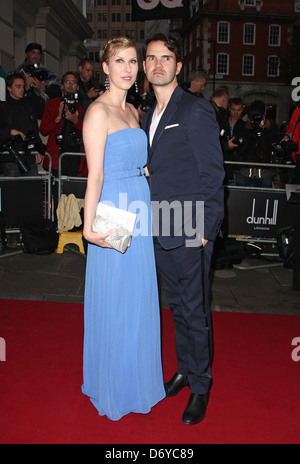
258 106
171 43
235 101
12 77
84 61
221 91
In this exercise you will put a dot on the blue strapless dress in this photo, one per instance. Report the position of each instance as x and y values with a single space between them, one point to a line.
122 345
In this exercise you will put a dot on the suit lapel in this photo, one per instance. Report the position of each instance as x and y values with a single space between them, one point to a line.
168 113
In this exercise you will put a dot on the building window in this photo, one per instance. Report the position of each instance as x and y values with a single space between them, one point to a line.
274 35
116 17
273 66
223 63
102 17
130 33
249 34
257 4
89 17
248 65
223 32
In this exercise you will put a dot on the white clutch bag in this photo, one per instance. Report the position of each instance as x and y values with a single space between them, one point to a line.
120 221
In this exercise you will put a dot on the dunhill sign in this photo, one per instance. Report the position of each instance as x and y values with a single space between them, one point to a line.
266 220
258 213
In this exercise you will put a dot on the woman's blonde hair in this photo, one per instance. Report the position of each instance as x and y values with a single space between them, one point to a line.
112 47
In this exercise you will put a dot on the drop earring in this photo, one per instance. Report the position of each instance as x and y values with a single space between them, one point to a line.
107 85
136 87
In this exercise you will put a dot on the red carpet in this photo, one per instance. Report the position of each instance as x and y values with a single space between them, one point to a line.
255 397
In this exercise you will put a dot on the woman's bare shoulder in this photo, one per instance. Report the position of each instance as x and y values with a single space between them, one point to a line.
97 108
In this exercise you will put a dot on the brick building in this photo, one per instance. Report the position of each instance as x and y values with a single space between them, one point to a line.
241 43
108 19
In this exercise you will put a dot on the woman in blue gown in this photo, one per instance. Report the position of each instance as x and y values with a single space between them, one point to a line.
122 347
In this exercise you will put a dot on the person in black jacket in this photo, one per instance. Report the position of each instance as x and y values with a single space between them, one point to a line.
261 133
41 84
17 118
233 136
89 88
219 101
185 167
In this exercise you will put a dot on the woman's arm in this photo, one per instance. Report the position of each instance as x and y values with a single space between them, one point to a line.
95 130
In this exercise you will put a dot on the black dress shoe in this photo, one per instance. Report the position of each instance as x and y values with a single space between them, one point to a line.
177 383
195 411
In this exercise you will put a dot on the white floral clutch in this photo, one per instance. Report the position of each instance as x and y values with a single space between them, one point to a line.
120 221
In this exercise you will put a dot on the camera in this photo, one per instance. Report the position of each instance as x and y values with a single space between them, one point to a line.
237 140
256 120
282 152
34 70
32 144
12 146
71 102
72 139
16 144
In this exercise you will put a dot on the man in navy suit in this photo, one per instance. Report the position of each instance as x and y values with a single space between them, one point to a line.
186 172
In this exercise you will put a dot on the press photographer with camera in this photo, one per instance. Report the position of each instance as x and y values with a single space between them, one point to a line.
260 135
233 135
19 130
62 122
89 88
41 84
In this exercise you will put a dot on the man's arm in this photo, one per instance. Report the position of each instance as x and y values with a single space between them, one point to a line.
205 143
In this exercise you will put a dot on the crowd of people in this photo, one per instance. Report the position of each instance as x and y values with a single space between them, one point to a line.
41 107
48 111
249 135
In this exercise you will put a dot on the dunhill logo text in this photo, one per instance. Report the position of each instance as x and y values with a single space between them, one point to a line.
265 220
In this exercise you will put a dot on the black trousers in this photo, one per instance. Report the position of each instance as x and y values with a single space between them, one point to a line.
185 275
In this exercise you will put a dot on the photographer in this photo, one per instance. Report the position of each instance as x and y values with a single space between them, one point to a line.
260 135
89 88
41 84
233 136
62 122
19 130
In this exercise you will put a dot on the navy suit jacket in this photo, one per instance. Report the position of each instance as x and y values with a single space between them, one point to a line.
185 163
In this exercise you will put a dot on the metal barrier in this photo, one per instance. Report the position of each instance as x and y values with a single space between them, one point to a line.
68 184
